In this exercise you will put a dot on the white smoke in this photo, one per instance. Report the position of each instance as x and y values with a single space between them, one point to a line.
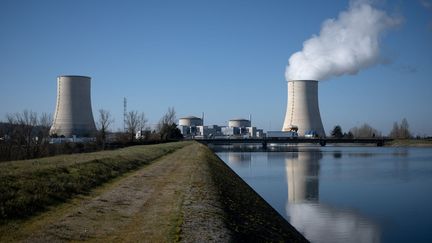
344 46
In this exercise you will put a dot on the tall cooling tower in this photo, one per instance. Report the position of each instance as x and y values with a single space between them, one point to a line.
302 108
73 114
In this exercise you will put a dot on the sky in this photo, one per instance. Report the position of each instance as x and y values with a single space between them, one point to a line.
224 58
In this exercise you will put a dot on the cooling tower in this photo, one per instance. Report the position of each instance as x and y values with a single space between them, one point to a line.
302 108
73 114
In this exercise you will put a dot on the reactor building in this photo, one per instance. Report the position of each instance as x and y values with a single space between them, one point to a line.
73 114
302 114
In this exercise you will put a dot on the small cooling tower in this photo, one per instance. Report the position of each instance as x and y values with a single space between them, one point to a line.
73 114
302 108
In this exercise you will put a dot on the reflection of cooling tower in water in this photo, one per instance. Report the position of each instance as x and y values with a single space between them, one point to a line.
73 114
318 222
302 174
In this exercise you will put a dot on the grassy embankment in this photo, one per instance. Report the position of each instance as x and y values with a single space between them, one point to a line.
188 195
248 216
410 143
30 186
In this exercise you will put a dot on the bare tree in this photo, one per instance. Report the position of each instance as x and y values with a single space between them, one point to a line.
365 131
44 124
167 126
104 122
401 131
404 129
22 128
167 119
132 123
394 133
142 123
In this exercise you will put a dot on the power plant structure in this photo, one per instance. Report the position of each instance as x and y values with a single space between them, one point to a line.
190 121
302 114
73 115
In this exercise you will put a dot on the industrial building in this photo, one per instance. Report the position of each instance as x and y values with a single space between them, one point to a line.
193 127
302 114
189 126
73 115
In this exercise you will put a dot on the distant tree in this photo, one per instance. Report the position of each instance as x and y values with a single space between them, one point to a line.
142 123
44 125
400 131
22 126
337 132
365 131
167 126
404 129
104 122
132 123
395 132
168 118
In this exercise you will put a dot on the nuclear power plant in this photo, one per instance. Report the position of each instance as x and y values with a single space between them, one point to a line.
73 114
302 114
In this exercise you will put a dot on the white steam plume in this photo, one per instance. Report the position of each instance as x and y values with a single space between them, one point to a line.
344 46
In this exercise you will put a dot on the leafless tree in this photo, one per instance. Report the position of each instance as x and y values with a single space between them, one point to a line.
404 129
22 128
365 131
142 123
132 123
401 131
168 119
167 126
43 126
104 122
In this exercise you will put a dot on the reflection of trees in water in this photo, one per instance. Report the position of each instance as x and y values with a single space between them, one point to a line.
318 222
239 159
401 152
337 154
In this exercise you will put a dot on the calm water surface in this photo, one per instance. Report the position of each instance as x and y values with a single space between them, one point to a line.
345 194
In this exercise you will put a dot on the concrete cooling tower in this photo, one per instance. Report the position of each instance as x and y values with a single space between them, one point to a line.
73 114
302 108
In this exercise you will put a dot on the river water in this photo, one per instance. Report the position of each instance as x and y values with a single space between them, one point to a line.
344 194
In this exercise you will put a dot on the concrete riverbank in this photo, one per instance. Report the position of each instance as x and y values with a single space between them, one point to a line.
187 195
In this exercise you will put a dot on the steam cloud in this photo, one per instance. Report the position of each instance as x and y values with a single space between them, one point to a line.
344 46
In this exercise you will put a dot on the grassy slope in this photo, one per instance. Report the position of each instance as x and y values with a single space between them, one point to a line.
410 142
29 186
249 217
189 195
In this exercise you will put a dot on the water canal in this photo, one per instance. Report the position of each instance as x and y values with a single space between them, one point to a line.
343 194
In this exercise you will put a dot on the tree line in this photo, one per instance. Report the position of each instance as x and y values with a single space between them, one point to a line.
367 131
25 135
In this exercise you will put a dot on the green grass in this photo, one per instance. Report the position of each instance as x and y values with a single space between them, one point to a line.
30 186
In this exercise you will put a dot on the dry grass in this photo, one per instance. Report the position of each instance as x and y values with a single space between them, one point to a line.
410 143
189 195
29 186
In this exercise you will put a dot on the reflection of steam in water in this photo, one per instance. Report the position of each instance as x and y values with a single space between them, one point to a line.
321 223
239 159
318 222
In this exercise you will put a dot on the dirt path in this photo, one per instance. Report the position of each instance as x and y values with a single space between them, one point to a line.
158 203
189 195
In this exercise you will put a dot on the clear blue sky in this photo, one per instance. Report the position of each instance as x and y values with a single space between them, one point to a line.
224 58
